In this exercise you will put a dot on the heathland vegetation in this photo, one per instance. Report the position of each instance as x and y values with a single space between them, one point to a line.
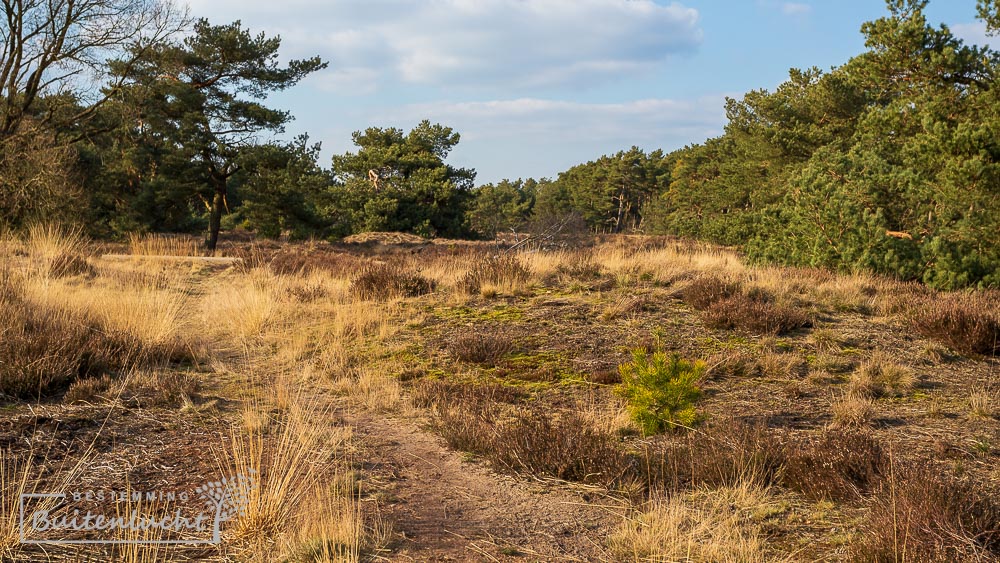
633 399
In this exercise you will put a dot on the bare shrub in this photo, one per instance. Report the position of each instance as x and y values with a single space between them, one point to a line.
755 315
921 514
565 447
480 348
497 270
435 393
705 291
727 453
835 465
37 178
382 282
967 322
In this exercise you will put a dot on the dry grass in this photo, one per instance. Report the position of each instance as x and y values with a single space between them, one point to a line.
777 365
852 411
164 245
704 525
292 514
880 376
49 343
15 480
245 308
984 402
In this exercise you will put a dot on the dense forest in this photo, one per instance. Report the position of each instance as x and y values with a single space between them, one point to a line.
888 163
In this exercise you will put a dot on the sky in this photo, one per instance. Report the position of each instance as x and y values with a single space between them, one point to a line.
537 86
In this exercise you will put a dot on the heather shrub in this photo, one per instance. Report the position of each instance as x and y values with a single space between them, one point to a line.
836 465
756 315
967 322
382 282
496 270
919 513
705 291
480 348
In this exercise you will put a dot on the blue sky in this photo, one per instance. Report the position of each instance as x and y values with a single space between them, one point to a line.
536 86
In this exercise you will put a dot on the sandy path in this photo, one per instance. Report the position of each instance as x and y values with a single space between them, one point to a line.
447 509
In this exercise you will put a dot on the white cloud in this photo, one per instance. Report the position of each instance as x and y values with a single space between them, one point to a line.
473 44
795 9
538 137
975 34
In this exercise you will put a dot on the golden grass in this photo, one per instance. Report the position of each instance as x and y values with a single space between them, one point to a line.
45 242
851 410
375 387
151 315
879 376
243 308
15 480
293 513
708 525
164 245
984 403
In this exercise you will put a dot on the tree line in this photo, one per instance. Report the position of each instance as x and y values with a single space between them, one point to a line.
126 116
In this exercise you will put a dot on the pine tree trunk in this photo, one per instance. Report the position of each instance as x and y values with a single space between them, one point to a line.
215 214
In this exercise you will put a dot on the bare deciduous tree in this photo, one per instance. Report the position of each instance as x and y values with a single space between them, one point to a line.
62 46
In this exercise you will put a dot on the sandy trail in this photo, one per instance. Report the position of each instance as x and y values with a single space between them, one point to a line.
446 508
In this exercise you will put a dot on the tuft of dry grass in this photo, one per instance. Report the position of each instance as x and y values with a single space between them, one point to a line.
624 305
880 376
966 322
775 365
731 363
852 411
983 403
88 390
292 513
703 525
